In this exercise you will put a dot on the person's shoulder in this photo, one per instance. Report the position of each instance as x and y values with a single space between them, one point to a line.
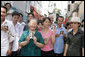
9 22
10 11
25 31
26 24
18 23
50 31
70 32
23 22
63 27
38 32
80 31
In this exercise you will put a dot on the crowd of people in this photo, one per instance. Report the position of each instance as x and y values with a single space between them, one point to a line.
40 37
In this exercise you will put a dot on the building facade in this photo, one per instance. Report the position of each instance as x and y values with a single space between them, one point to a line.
76 8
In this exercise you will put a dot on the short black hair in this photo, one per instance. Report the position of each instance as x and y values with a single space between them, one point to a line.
30 14
45 19
39 21
7 4
82 20
21 14
4 8
15 13
59 17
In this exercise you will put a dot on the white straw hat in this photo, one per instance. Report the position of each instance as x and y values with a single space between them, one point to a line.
75 19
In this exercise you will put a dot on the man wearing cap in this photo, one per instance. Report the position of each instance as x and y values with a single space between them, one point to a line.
75 41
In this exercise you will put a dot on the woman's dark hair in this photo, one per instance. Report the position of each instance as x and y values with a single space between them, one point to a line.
82 20
39 21
15 13
45 19
4 8
30 14
7 4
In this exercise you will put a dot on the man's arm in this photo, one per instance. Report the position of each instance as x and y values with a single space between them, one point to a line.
10 49
53 36
53 39
65 50
82 51
11 37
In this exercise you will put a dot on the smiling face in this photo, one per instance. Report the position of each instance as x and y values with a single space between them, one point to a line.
33 25
30 17
59 21
15 18
46 23
8 6
3 14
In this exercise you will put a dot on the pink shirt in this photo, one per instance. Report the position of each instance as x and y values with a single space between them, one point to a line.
49 46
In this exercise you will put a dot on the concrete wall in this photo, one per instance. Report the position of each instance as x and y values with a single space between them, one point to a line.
80 12
81 8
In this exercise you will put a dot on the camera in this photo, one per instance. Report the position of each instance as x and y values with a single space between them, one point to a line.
31 35
5 25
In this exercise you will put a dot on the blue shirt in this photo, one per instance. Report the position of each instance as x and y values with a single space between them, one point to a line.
59 45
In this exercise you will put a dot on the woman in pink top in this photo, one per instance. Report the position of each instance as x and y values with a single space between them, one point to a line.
49 38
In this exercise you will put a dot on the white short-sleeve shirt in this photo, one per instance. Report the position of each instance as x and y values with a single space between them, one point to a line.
4 37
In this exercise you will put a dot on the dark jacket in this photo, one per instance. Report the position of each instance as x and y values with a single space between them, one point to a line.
75 43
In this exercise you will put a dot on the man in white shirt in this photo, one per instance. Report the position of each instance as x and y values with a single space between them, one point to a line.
6 27
15 17
20 25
